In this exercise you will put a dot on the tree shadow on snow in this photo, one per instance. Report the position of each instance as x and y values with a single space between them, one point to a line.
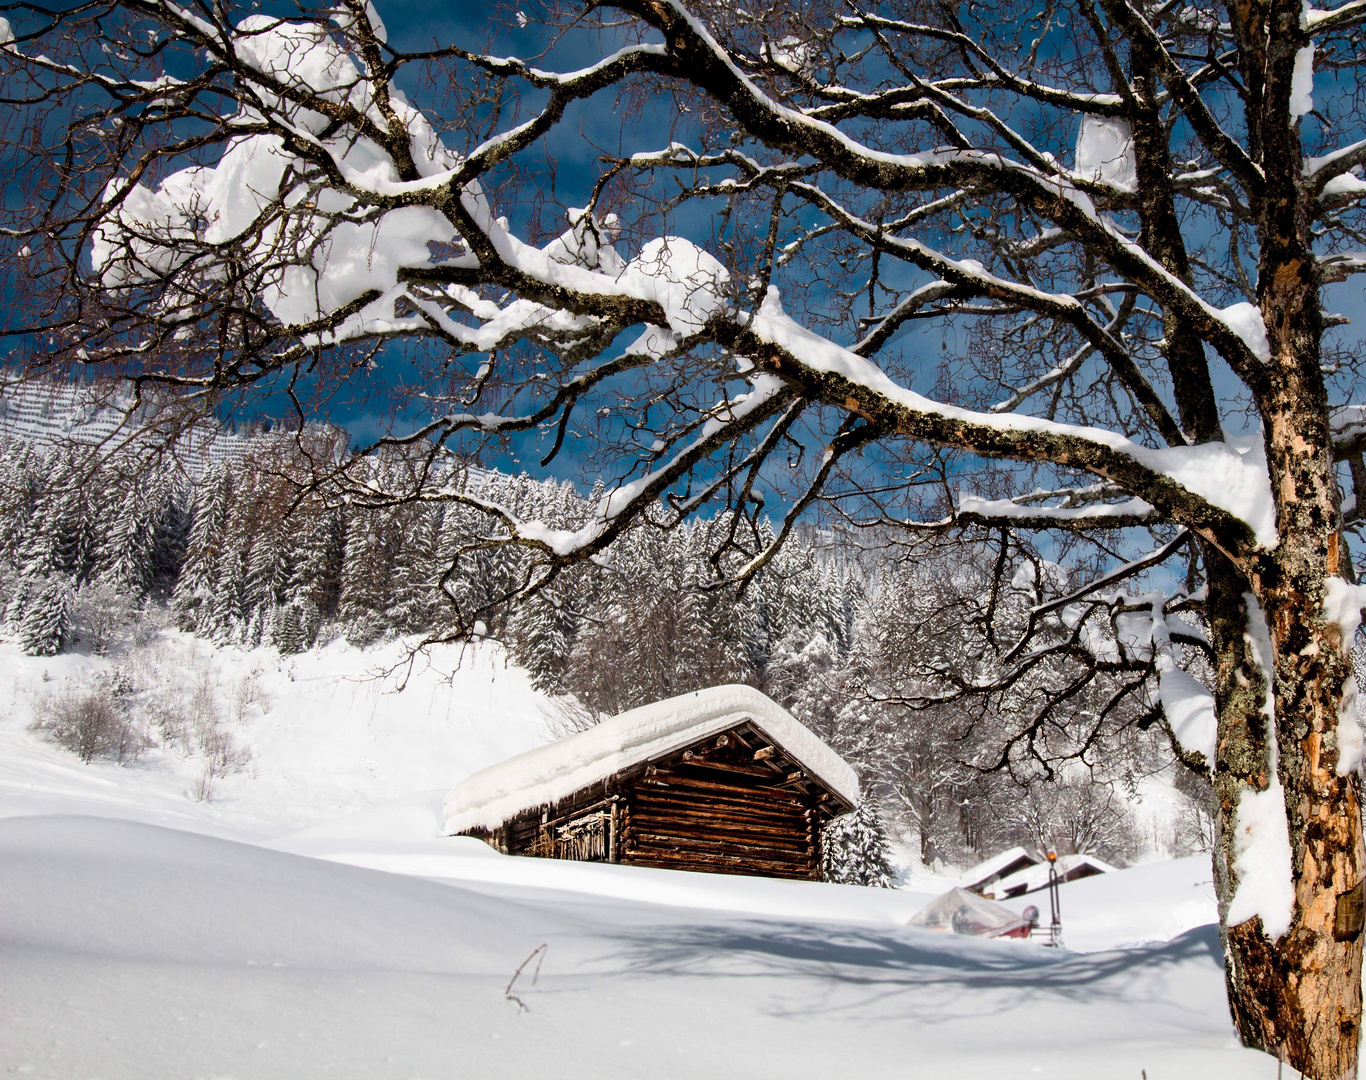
923 978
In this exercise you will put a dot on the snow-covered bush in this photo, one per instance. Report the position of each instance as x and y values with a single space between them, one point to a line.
223 756
91 722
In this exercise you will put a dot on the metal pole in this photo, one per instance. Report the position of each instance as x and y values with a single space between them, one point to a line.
1054 903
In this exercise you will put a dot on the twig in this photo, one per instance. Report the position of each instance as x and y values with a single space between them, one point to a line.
538 951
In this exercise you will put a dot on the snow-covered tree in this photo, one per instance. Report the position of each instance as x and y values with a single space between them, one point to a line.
289 630
542 634
1129 217
45 622
127 557
267 574
19 493
367 582
855 851
100 613
1078 815
317 550
170 535
204 550
417 605
56 532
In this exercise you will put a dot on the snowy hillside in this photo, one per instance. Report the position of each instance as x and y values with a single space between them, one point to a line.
328 731
49 412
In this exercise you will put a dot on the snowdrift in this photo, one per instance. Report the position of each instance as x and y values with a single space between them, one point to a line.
132 951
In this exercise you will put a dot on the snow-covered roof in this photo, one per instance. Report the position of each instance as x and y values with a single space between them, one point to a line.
1034 878
990 868
550 773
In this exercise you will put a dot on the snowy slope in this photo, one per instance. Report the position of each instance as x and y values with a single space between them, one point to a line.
130 950
1142 905
50 413
348 767
405 837
330 731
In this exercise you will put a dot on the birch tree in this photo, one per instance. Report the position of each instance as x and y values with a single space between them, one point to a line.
1129 211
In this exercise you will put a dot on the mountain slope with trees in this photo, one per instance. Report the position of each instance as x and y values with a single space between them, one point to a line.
248 557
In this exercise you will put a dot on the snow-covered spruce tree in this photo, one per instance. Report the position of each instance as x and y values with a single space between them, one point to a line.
855 851
202 566
52 527
542 633
367 584
315 584
127 555
1130 213
170 535
19 492
287 629
222 616
267 574
417 605
45 625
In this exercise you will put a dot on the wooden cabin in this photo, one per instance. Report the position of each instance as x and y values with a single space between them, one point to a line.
721 781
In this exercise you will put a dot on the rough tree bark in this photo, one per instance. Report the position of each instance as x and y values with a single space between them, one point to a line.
1301 994
1298 996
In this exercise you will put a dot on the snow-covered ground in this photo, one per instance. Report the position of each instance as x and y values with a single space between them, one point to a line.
311 920
330 731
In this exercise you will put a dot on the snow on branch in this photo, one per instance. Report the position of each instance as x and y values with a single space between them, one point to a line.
1318 21
619 507
1127 513
1228 475
1048 191
1000 76
1332 175
1349 430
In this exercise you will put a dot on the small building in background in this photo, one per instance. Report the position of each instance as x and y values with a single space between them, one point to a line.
1018 871
1033 878
982 878
721 781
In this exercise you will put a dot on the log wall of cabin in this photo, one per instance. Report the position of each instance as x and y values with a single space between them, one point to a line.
535 832
684 818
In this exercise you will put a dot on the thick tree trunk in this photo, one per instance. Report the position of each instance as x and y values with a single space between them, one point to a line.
1297 996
